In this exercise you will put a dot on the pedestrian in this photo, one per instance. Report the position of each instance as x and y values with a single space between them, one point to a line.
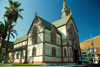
80 61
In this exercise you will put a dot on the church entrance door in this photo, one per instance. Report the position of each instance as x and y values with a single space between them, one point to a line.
76 55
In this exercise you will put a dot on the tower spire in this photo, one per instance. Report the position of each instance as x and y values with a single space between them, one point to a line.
64 4
35 12
65 10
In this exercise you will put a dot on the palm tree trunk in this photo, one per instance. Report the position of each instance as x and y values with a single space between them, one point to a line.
7 47
1 47
8 43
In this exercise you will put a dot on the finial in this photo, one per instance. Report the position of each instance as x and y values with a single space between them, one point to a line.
36 11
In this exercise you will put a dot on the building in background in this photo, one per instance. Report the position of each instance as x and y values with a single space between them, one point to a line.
48 43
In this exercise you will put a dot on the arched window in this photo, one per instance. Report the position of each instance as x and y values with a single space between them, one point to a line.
53 51
34 51
18 55
72 31
53 37
64 52
71 52
34 36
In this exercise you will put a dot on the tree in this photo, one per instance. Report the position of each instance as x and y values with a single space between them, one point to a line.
12 13
4 29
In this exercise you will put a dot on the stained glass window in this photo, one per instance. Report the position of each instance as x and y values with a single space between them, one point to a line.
53 37
34 51
64 52
34 36
53 51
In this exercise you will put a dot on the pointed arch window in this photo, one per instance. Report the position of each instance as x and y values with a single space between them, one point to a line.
53 37
34 37
17 55
72 31
64 52
53 51
71 52
34 51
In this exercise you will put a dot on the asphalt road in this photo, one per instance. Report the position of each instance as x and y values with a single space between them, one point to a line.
90 65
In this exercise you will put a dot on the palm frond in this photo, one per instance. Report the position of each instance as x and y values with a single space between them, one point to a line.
6 8
14 31
10 2
12 35
20 10
20 16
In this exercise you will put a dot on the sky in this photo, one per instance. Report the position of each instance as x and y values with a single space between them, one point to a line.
86 14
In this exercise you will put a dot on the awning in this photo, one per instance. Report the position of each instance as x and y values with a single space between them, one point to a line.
17 49
84 60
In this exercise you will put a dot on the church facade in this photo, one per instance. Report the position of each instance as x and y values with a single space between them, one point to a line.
45 42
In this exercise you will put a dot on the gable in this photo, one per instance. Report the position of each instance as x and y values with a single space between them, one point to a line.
41 22
36 24
71 22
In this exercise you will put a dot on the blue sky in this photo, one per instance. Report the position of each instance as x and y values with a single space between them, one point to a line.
86 14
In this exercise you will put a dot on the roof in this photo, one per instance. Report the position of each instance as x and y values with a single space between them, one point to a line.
9 46
64 4
61 21
45 23
20 39
19 48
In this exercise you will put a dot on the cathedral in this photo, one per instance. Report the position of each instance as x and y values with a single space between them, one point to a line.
48 43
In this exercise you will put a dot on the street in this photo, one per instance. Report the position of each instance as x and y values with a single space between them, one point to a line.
89 65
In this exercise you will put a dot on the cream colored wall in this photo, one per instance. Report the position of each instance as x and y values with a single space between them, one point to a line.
40 38
15 57
47 35
48 50
16 54
17 60
39 49
52 59
62 30
65 47
20 44
65 59
38 26
23 60
70 54
30 59
58 39
68 25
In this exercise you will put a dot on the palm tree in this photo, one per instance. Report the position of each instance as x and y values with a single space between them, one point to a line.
4 29
12 13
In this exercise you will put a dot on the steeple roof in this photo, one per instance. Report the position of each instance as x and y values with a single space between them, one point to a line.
64 4
65 10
